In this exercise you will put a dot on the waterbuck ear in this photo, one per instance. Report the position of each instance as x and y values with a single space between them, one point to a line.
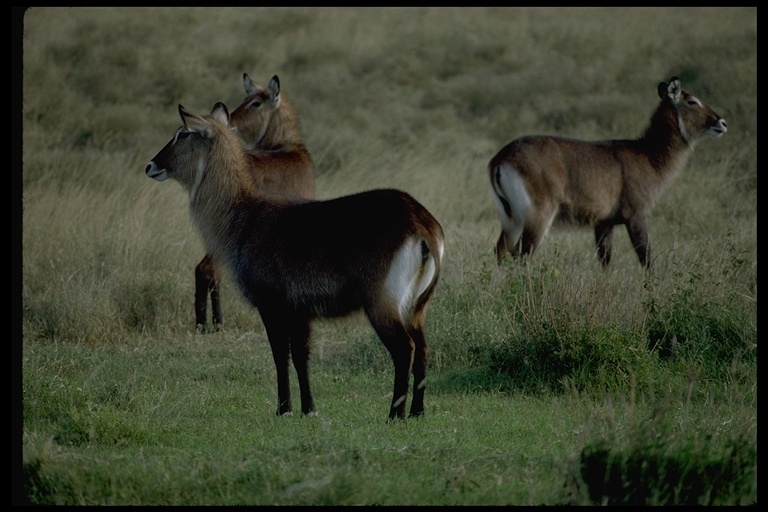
193 122
182 113
274 90
251 87
672 89
220 113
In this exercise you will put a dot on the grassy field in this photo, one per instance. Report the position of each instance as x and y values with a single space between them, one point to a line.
556 382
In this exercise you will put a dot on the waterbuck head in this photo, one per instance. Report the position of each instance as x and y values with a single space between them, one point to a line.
198 142
694 119
266 119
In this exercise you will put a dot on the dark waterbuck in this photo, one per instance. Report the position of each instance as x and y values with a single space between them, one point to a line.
296 259
268 125
536 179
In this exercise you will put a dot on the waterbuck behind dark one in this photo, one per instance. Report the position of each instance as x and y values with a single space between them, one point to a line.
268 125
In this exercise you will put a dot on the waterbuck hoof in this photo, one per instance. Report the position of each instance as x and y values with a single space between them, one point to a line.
205 328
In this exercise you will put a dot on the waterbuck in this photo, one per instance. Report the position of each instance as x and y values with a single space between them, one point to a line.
535 179
298 259
268 125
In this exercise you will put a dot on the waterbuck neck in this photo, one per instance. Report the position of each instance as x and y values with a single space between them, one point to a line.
283 129
667 148
222 182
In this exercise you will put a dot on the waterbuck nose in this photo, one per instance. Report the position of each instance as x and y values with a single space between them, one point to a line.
719 128
153 171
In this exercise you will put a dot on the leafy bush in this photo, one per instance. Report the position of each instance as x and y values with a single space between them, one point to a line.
653 473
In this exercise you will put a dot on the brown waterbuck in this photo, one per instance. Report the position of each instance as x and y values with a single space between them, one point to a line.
268 125
297 259
536 179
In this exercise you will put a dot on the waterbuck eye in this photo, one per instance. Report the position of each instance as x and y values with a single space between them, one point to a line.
181 134
255 104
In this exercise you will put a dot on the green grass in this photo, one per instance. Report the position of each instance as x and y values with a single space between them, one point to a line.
195 425
552 382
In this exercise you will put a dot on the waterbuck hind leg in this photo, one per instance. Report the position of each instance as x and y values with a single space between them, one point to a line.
205 281
501 248
420 360
603 239
401 348
507 245
529 241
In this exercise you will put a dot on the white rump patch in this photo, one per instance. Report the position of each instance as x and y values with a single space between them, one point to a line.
408 277
512 187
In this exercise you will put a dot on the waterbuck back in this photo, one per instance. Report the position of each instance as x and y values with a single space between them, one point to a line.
536 179
295 259
268 125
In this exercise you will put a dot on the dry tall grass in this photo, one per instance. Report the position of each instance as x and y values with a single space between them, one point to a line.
413 98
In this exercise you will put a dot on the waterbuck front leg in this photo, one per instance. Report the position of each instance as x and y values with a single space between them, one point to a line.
277 332
603 239
206 282
299 334
638 234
